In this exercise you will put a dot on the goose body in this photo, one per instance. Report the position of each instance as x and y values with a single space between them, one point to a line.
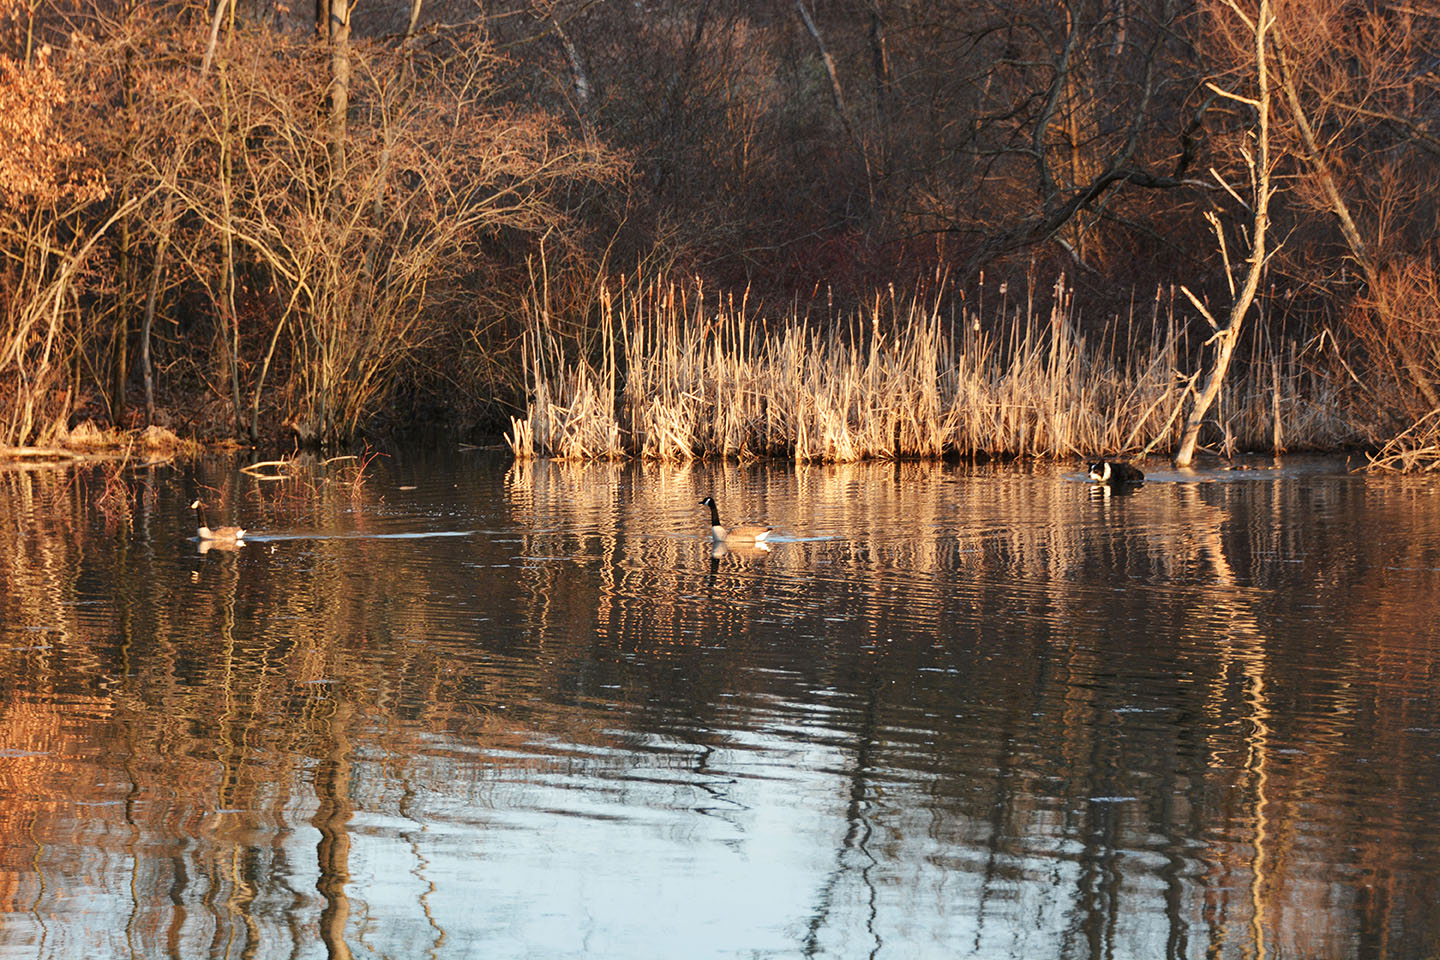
223 534
1115 474
744 533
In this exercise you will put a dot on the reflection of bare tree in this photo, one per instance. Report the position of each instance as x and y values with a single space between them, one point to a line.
332 789
407 809
1204 526
853 847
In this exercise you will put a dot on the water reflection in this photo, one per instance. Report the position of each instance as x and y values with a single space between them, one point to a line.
472 707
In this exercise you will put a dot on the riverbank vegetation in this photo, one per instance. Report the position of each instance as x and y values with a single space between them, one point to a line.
680 377
723 227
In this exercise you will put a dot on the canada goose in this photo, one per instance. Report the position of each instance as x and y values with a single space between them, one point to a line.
744 533
1115 474
219 533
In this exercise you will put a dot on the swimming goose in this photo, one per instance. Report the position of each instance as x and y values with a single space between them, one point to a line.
744 533
1115 474
219 533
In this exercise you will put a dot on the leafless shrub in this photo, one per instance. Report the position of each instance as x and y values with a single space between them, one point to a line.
354 248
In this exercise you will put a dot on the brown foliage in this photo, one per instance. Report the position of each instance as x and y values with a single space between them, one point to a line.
352 249
46 191
36 156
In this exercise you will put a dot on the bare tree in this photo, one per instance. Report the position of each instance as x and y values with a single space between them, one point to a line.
338 31
1258 23
1371 75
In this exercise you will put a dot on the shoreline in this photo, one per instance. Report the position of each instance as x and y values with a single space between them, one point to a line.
156 444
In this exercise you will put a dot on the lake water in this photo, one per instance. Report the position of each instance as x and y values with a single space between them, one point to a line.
470 708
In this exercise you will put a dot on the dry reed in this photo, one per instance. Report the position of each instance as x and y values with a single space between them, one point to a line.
678 378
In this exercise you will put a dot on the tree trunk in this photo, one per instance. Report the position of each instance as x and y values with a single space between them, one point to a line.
1241 301
214 37
146 370
880 66
339 32
120 359
579 77
229 318
837 94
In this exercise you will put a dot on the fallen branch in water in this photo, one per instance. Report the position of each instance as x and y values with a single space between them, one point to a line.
271 469
1415 449
41 453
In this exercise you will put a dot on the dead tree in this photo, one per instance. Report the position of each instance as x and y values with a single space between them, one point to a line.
1257 161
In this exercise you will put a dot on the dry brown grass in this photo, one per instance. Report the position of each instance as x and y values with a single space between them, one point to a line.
676 377
89 441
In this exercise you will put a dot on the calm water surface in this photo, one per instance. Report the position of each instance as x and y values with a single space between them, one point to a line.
477 709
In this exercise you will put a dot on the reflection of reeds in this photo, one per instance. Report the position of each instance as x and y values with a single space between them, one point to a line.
677 378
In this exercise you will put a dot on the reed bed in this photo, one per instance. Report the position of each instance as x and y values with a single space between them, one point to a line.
674 377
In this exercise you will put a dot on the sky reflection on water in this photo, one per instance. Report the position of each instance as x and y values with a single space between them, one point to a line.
476 708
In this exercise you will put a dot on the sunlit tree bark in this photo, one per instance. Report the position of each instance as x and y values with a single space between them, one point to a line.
338 28
1259 23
